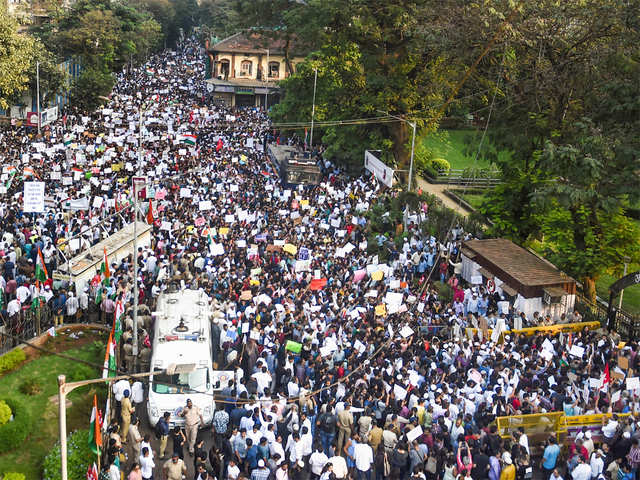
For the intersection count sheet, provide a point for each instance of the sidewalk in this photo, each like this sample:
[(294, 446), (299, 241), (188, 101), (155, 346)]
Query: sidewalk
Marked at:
[(438, 191)]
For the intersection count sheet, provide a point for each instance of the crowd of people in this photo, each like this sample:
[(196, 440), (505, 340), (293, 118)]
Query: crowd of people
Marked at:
[(351, 367)]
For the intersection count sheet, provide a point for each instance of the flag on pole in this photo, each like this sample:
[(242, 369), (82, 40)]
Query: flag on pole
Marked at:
[(95, 437), (150, 213), (41, 269), (8, 183), (104, 269), (117, 321), (92, 472), (109, 367), (605, 379), (189, 139)]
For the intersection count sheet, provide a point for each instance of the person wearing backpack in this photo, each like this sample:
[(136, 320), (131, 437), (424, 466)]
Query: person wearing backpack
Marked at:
[(162, 432), (327, 423)]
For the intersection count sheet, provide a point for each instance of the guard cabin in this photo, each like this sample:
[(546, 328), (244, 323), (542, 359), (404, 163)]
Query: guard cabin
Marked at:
[(294, 165), (182, 336)]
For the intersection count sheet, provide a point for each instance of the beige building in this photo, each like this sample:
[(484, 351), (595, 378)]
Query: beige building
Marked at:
[(246, 69)]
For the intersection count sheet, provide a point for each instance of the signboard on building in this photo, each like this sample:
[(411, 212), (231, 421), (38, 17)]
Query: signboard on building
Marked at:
[(378, 168), (244, 91)]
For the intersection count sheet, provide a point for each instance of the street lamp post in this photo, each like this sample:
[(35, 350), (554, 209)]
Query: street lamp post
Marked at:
[(626, 266), (65, 388), (266, 89), (38, 95), (313, 108), (413, 144)]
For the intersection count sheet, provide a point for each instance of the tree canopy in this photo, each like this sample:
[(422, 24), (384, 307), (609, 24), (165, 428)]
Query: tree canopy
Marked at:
[(566, 110), (17, 58)]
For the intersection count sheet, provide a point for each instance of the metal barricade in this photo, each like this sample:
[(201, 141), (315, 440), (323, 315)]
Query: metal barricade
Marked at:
[(538, 426)]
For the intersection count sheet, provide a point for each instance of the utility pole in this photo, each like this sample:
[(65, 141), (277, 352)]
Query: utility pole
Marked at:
[(413, 145), (38, 95), (313, 108)]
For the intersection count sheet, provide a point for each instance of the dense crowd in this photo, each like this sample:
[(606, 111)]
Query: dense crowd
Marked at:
[(350, 366)]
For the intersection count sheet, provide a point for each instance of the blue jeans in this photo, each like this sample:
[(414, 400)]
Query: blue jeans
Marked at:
[(363, 475), (326, 439)]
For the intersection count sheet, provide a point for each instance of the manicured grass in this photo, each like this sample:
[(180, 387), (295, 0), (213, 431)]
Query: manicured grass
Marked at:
[(28, 458), (631, 297), (458, 147), (473, 199)]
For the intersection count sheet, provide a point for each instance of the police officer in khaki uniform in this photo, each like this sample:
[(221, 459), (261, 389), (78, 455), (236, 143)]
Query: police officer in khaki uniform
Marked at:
[(174, 468), (193, 419)]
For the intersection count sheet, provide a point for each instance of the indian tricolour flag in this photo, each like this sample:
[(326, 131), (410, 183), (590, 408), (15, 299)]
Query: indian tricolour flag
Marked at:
[(104, 269), (109, 367), (189, 139), (68, 138), (41, 269), (117, 321), (149, 71), (95, 436)]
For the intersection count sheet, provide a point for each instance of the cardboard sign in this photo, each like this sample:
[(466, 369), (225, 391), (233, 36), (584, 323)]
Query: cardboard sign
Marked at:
[(623, 362)]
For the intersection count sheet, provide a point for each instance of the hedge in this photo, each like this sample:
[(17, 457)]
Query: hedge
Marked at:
[(13, 476), (79, 457), (11, 360), (14, 433), (5, 412)]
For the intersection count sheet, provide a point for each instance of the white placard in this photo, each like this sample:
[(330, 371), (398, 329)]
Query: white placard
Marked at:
[(576, 351), (406, 331), (414, 434), (399, 392), (615, 397), (33, 197), (633, 383)]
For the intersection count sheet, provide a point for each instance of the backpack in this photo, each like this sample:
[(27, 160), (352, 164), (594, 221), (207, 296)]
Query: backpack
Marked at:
[(158, 430)]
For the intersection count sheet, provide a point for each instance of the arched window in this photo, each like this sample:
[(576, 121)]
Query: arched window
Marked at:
[(274, 69), (245, 68)]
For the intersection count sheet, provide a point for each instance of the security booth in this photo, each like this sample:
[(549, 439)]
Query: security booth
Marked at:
[(530, 282)]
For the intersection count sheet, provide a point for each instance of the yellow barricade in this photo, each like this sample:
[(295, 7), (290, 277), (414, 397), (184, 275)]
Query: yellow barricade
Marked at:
[(552, 329), (540, 426), (537, 426)]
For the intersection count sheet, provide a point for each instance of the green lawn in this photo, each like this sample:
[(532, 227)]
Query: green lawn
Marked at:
[(473, 199), (28, 458), (458, 147), (631, 297)]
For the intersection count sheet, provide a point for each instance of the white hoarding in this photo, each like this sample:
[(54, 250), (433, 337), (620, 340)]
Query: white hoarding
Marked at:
[(379, 169)]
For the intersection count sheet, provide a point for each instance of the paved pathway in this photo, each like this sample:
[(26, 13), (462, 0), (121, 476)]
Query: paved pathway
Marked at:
[(438, 190)]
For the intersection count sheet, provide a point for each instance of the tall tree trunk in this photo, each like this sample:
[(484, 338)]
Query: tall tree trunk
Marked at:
[(400, 136), (589, 285)]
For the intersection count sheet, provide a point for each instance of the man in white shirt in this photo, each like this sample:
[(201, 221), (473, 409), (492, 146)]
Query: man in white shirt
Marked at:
[(232, 470), (263, 379), (339, 466), (582, 470), (597, 464), (317, 461), (146, 463), (363, 456)]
